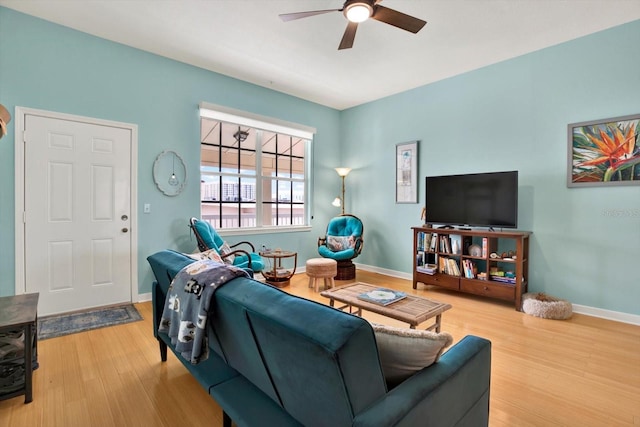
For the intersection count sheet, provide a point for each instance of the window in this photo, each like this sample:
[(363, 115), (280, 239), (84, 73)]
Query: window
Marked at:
[(254, 173)]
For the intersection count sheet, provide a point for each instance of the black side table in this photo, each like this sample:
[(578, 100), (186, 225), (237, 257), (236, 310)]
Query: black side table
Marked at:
[(18, 322)]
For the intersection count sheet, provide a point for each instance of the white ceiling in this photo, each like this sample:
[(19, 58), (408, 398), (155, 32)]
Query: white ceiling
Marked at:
[(246, 39)]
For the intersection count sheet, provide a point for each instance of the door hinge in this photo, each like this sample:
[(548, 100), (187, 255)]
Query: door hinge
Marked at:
[(24, 136), (24, 217)]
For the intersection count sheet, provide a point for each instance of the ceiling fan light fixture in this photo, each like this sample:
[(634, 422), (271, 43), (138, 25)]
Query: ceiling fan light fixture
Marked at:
[(358, 11)]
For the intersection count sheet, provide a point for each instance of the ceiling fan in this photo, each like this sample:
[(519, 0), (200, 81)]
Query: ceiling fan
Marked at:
[(357, 11)]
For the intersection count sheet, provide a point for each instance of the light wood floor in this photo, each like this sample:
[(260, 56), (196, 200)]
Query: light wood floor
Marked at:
[(580, 372)]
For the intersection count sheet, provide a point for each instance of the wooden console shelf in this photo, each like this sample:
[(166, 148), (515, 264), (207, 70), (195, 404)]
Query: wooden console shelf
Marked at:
[(494, 264)]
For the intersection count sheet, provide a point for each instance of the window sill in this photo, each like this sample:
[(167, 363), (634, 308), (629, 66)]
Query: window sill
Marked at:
[(262, 230)]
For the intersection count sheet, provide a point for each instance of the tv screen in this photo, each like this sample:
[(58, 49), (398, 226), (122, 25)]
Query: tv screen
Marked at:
[(477, 200)]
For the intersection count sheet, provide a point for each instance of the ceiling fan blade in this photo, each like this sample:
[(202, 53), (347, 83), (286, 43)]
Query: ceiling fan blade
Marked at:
[(297, 15), (397, 19), (349, 36)]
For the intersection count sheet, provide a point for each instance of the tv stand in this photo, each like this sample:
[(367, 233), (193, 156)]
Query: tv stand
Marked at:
[(490, 263)]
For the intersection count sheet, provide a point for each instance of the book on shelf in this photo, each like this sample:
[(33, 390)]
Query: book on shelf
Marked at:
[(427, 269), (503, 279), (469, 269), (453, 267), (427, 241), (485, 247), (445, 244), (420, 243), (281, 272), (448, 266), (424, 241), (382, 296), (433, 242)]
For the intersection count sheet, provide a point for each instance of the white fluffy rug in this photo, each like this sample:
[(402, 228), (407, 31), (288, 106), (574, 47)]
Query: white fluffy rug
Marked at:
[(542, 305)]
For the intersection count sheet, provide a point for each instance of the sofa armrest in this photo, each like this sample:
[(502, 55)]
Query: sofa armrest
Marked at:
[(454, 391)]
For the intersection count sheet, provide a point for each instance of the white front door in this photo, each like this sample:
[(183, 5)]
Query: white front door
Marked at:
[(77, 201)]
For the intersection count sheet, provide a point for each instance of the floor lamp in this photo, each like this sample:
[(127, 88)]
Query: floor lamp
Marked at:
[(339, 201)]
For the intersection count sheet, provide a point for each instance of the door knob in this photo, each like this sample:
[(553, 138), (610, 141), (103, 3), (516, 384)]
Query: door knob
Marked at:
[(124, 230)]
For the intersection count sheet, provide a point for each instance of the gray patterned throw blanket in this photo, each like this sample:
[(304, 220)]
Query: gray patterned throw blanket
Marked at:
[(186, 308)]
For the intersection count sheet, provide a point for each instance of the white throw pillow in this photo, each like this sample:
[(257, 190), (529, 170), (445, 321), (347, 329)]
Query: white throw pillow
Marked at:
[(224, 250), (340, 243), (403, 351)]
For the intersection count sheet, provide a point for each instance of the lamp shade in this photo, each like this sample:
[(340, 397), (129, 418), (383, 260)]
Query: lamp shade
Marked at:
[(343, 171)]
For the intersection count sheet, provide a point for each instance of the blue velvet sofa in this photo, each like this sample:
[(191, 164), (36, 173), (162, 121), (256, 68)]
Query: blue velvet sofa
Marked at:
[(280, 360)]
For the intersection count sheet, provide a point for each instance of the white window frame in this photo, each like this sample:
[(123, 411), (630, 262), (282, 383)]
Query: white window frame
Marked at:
[(242, 118)]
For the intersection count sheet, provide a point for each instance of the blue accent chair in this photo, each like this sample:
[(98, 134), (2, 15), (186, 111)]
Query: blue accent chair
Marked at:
[(208, 238), (343, 242)]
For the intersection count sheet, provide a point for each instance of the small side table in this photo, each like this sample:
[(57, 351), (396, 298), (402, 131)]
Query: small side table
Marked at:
[(277, 274), (20, 312)]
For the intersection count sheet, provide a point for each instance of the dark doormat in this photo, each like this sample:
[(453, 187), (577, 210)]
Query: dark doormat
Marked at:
[(70, 323)]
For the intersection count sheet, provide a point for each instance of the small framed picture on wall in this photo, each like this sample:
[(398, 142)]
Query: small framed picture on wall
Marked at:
[(407, 172)]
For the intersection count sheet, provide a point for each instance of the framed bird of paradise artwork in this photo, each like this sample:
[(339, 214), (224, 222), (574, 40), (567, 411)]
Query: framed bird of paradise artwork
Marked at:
[(604, 152)]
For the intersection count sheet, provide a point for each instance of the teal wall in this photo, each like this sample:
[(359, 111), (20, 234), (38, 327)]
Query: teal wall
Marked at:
[(50, 67), (512, 115)]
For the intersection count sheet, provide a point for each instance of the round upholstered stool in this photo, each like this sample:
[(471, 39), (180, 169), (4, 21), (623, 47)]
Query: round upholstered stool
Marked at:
[(321, 268)]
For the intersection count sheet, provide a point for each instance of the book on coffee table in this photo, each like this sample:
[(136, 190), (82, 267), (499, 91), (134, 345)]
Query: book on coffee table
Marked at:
[(382, 296)]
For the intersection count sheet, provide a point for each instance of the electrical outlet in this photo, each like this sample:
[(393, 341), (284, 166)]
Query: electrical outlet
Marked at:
[(147, 208)]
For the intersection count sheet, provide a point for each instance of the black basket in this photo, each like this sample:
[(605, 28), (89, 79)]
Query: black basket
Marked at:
[(11, 377)]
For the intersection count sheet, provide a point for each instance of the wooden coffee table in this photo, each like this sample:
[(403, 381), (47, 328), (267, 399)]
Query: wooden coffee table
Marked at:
[(413, 310)]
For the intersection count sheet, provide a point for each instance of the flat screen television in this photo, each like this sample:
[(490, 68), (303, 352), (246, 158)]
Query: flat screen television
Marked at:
[(476, 200)]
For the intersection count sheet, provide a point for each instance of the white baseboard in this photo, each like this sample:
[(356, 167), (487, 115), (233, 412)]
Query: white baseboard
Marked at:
[(144, 297), (385, 271), (617, 316)]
